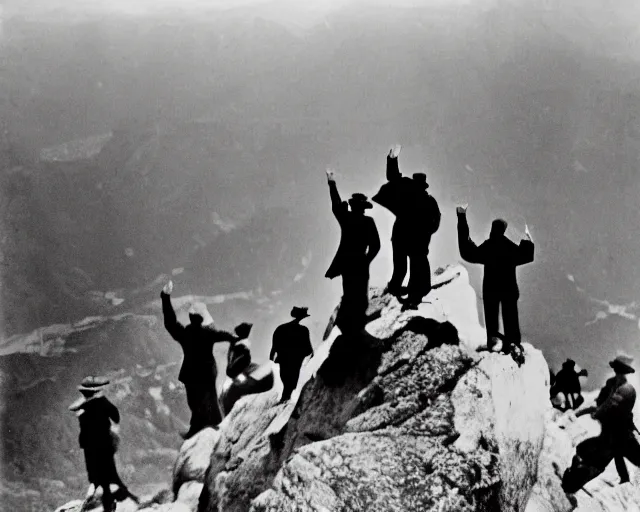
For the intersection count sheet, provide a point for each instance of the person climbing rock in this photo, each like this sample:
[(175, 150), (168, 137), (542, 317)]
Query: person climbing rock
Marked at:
[(500, 257), (199, 370), (99, 441), (617, 440), (244, 377), (359, 245), (567, 382), (291, 346), (417, 219)]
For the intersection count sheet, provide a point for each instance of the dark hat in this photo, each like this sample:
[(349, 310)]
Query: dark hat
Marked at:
[(94, 384), (421, 178), (569, 363), (243, 330), (299, 313), (361, 200), (622, 364)]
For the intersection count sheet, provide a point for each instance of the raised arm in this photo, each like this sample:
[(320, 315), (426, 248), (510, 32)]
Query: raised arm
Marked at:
[(524, 253), (393, 170), (338, 207), (469, 251), (218, 335), (175, 328)]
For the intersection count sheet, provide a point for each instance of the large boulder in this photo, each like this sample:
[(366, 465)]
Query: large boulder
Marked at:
[(408, 418)]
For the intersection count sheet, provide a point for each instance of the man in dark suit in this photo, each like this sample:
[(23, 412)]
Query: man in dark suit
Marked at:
[(500, 257), (291, 345), (359, 245)]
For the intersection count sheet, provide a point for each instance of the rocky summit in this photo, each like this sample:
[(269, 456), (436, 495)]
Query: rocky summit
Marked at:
[(409, 417)]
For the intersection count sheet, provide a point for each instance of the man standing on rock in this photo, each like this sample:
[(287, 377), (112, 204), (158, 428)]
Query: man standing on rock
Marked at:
[(500, 257), (199, 370), (291, 345), (359, 245), (99, 443), (417, 219), (614, 410), (567, 382)]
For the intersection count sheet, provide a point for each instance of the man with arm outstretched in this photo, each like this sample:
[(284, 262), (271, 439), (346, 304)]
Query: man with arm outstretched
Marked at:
[(500, 257), (359, 245)]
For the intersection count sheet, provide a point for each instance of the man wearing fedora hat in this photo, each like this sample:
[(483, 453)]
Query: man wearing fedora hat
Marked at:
[(359, 245), (199, 371), (99, 443), (500, 257), (614, 409), (417, 219), (290, 347)]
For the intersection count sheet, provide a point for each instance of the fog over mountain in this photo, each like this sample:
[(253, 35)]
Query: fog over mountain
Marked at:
[(141, 140)]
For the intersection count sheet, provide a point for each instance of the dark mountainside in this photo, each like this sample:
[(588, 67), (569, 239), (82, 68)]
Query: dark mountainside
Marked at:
[(222, 127)]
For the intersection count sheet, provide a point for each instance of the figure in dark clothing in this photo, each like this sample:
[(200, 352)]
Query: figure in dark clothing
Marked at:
[(567, 382), (417, 219), (99, 443), (614, 410), (359, 245), (243, 376), (500, 257), (291, 346), (199, 370)]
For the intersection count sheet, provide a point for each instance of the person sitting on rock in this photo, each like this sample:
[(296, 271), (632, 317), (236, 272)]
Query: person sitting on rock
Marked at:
[(614, 410), (99, 442), (244, 377), (291, 346), (567, 382), (359, 245), (417, 219), (199, 370), (500, 257)]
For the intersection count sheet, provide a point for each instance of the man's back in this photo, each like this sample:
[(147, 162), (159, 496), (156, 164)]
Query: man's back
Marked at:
[(291, 341)]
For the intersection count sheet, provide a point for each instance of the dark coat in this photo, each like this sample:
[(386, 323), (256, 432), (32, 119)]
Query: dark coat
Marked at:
[(359, 240), (239, 360), (96, 439), (199, 364), (615, 404), (291, 344), (417, 212), (500, 257)]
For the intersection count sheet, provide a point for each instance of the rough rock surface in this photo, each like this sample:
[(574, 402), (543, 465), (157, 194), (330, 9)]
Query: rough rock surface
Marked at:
[(408, 418), (603, 494)]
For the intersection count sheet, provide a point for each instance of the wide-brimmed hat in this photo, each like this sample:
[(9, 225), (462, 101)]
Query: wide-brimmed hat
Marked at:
[(569, 363), (94, 384), (421, 178), (622, 363), (200, 309), (299, 313), (359, 199)]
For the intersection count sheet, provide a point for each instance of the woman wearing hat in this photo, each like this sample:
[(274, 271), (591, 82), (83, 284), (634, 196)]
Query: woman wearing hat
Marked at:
[(291, 345), (95, 413), (614, 410), (359, 245)]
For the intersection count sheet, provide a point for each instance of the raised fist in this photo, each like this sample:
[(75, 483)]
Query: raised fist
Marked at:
[(461, 209), (330, 174), (168, 288), (527, 234)]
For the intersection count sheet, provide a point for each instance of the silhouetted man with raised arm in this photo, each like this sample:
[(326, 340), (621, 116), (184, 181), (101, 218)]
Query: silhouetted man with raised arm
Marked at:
[(500, 257), (291, 346), (359, 245), (417, 219), (199, 370)]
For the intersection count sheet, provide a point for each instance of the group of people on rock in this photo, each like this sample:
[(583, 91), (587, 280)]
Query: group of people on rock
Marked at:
[(417, 219)]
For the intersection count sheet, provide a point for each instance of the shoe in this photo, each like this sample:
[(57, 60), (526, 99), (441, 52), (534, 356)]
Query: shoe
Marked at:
[(189, 433)]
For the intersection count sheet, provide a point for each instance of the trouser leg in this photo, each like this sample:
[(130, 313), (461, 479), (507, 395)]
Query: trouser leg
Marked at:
[(355, 300), (419, 276), (399, 265), (511, 321), (491, 319)]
